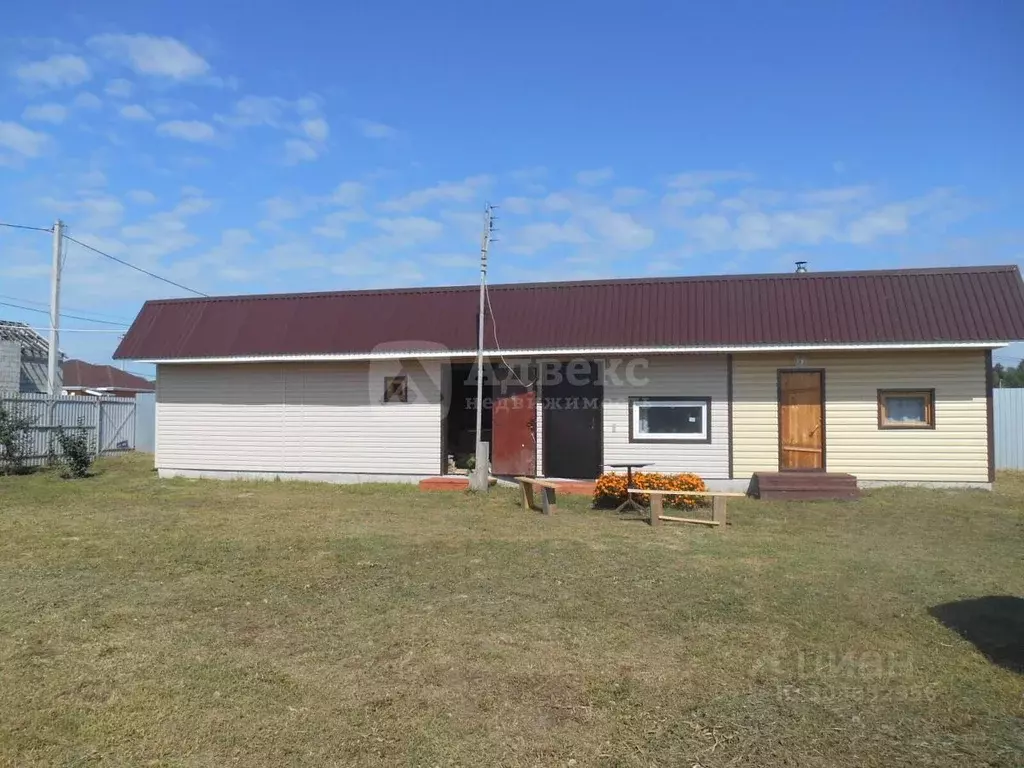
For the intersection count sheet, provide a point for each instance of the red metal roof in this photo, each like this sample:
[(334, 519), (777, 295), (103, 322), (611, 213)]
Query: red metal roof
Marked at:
[(78, 373), (970, 304)]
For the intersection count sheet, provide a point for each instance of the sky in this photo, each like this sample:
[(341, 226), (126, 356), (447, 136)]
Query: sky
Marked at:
[(328, 146)]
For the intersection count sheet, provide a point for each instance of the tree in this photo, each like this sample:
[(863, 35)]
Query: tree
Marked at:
[(1003, 376), (14, 429)]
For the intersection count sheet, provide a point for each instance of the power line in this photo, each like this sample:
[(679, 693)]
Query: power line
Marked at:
[(62, 314), (76, 309), (25, 226), (137, 269)]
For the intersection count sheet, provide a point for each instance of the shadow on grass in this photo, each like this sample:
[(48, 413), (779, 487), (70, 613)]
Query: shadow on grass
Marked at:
[(994, 624)]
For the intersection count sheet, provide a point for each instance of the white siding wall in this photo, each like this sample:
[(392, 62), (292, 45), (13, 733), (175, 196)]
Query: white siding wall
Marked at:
[(671, 376), (322, 418), (955, 451)]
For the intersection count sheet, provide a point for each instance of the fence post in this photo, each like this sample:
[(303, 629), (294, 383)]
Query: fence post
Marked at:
[(99, 425)]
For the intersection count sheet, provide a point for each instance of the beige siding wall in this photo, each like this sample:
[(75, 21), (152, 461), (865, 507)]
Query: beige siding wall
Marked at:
[(680, 376), (955, 451), (324, 418)]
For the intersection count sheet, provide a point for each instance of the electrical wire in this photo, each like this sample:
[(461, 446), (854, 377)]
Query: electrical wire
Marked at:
[(494, 331), (73, 309), (77, 330), (138, 269), (25, 226), (62, 314)]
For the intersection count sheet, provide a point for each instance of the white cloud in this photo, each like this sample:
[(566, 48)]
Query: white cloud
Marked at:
[(46, 113), (558, 201), (256, 110), (374, 130), (454, 260), (541, 235), (627, 196), (86, 100), (334, 226), (687, 198), (463, 191), (55, 72), (135, 112), (91, 212), (316, 129), (595, 177), (142, 197), (707, 178), (21, 140), (887, 220), (619, 230), (93, 178), (520, 206), (187, 130), (119, 88), (149, 55), (299, 151), (410, 230), (348, 193), (280, 209), (836, 195)]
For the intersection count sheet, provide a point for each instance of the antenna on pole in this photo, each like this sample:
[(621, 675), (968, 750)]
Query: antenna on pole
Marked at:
[(481, 469)]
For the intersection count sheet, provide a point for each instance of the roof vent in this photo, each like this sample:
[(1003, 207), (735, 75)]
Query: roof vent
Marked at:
[(801, 267)]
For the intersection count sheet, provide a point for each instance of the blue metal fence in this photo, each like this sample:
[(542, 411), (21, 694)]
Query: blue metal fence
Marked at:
[(1008, 409)]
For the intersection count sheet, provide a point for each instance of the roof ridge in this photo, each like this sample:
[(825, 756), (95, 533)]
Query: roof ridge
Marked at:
[(659, 280)]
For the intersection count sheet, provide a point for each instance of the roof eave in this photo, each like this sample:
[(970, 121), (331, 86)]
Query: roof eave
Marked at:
[(576, 352)]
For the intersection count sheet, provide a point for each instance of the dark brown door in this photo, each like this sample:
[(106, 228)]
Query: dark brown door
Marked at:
[(514, 433), (573, 435), (801, 420)]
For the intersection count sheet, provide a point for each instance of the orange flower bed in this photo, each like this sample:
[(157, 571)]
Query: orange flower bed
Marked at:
[(610, 490)]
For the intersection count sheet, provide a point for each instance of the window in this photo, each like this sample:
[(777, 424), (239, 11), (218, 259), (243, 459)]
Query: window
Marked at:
[(669, 419), (396, 389), (906, 409)]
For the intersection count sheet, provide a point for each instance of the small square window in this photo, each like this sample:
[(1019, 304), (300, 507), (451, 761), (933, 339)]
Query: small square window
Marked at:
[(906, 409), (396, 389), (668, 419)]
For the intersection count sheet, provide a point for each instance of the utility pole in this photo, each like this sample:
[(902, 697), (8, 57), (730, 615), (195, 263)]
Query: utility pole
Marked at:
[(53, 361), (481, 469)]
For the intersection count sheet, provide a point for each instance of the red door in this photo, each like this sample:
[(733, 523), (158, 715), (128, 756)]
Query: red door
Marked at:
[(514, 433)]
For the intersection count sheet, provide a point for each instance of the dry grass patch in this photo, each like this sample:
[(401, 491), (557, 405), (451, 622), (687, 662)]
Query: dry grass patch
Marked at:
[(212, 623)]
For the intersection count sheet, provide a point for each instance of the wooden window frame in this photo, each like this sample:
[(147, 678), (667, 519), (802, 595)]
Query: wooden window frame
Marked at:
[(929, 409), (703, 439), (396, 389)]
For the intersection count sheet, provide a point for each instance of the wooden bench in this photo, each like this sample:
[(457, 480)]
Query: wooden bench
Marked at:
[(547, 497), (718, 499)]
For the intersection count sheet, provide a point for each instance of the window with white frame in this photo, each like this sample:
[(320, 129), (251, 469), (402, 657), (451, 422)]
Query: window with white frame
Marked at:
[(669, 419)]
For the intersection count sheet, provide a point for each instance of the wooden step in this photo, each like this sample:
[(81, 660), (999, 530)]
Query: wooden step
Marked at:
[(805, 486)]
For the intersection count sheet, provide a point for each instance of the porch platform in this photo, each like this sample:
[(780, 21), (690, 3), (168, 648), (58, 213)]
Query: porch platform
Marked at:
[(804, 486)]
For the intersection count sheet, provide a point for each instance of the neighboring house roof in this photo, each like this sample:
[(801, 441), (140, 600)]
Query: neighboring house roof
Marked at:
[(79, 374), (32, 344), (920, 306)]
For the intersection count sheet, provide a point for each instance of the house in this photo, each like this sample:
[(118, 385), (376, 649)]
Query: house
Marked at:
[(23, 359), (82, 378), (881, 374)]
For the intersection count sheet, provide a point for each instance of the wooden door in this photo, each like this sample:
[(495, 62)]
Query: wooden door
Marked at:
[(801, 420), (514, 432)]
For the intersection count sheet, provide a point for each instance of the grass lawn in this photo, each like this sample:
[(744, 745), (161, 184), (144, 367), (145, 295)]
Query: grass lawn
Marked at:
[(147, 622)]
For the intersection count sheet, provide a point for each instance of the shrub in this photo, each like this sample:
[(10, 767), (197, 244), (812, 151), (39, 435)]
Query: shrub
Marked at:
[(610, 490), (13, 440), (74, 448)]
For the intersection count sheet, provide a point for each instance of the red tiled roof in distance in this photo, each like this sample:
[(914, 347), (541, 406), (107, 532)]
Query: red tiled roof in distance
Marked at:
[(949, 305), (78, 373)]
